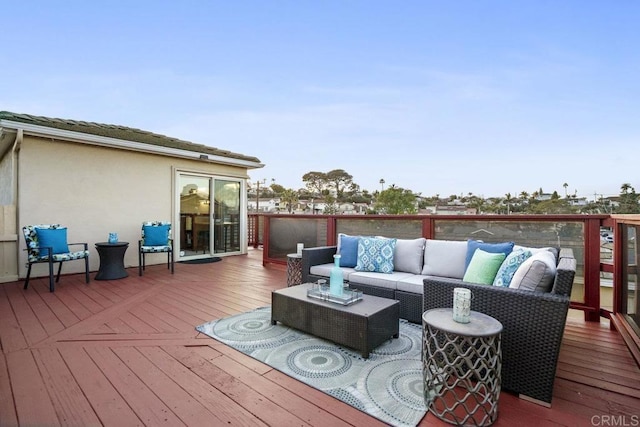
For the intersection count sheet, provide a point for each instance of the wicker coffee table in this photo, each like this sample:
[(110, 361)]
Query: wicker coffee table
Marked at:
[(362, 326)]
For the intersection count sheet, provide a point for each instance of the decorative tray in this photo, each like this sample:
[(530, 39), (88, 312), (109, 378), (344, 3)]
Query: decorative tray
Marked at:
[(348, 297)]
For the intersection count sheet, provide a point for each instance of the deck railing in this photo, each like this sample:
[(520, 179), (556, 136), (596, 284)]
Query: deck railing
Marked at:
[(606, 278)]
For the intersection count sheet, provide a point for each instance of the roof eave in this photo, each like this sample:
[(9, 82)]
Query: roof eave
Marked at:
[(103, 141)]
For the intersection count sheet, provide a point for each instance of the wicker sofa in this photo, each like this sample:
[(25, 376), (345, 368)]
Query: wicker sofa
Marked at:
[(417, 260), (533, 321)]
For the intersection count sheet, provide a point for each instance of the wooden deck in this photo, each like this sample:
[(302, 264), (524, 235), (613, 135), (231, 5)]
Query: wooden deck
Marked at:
[(126, 353)]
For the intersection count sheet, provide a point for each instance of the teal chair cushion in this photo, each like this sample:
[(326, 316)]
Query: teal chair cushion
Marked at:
[(56, 238)]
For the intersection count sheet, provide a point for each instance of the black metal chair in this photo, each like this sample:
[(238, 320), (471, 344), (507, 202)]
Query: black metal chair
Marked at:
[(48, 243), (156, 238)]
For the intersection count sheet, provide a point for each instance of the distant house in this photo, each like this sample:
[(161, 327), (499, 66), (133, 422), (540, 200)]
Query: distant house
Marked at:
[(271, 205), (448, 210), (98, 178)]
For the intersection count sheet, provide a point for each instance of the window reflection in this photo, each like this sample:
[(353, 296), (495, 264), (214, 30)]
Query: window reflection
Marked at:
[(227, 215)]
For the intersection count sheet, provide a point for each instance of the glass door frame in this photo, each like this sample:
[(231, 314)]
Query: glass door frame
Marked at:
[(242, 181)]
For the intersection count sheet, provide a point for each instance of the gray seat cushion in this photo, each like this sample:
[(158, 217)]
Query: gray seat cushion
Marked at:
[(324, 270), (382, 280), (413, 284)]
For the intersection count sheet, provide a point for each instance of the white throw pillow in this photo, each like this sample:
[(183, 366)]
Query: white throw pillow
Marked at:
[(537, 273), (409, 255)]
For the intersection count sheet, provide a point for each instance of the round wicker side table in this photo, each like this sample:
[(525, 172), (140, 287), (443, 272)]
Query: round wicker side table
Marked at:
[(461, 367)]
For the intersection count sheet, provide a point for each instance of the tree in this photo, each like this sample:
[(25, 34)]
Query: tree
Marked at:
[(628, 200), (565, 185), (315, 182), (330, 207), (277, 188), (396, 201), (340, 181), (289, 197), (508, 200), (477, 203)]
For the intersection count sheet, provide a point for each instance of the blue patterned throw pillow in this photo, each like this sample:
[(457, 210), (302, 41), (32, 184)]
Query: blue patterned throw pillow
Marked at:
[(375, 254), (509, 266)]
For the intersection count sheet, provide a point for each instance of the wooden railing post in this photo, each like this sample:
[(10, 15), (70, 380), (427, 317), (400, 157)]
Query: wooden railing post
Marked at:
[(592, 269)]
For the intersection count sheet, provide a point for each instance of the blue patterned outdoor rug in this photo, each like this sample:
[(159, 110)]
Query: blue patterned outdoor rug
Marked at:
[(388, 385)]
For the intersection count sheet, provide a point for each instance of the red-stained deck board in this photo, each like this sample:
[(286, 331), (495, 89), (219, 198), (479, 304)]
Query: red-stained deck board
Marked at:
[(47, 317), (29, 390), (299, 405), (173, 322), (11, 335), (182, 404), (29, 322), (199, 389), (69, 401), (196, 359), (66, 316), (8, 415), (137, 394), (109, 405), (137, 324)]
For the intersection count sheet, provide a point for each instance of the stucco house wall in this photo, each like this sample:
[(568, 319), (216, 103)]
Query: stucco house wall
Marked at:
[(94, 189)]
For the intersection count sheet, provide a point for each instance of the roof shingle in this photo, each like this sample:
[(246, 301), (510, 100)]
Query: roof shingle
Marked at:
[(123, 133)]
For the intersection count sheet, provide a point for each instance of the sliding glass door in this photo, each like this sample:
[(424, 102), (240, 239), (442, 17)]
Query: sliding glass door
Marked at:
[(226, 216), (194, 229), (210, 216)]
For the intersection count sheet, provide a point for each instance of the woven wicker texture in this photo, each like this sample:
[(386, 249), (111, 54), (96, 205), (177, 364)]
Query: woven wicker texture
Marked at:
[(362, 326), (462, 371), (533, 326)]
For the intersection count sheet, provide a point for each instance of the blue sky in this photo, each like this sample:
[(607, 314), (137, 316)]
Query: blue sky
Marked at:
[(440, 97)]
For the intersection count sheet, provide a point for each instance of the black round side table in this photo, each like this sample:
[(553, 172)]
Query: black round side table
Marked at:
[(111, 260)]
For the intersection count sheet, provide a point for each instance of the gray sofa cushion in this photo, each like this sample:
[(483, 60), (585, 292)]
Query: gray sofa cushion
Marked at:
[(324, 270), (383, 280), (409, 255), (536, 273), (413, 284), (445, 258)]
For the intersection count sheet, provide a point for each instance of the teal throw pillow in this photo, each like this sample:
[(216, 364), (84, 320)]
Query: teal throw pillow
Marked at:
[(348, 250), (509, 266), (375, 254), (55, 238), (156, 235), (483, 267), (472, 245)]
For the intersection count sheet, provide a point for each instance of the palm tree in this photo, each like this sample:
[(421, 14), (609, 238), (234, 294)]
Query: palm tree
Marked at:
[(565, 185), (290, 197), (624, 188), (508, 200)]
